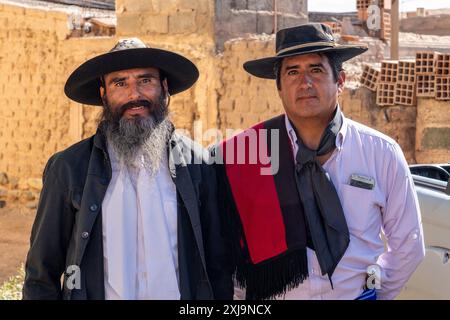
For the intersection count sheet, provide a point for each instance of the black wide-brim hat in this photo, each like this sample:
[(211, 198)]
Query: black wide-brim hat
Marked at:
[(83, 84), (302, 39)]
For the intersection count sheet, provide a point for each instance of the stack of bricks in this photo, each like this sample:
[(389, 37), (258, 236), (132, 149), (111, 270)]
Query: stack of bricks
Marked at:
[(336, 27), (385, 32), (385, 20), (387, 83), (382, 4), (370, 77), (405, 88), (425, 73), (442, 73), (362, 6)]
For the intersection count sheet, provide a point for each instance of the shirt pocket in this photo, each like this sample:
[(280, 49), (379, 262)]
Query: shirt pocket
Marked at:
[(358, 205)]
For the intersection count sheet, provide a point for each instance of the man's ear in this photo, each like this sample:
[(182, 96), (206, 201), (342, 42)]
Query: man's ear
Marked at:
[(165, 87), (341, 81), (102, 92)]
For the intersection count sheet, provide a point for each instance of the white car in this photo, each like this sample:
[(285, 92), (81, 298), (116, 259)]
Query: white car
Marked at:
[(431, 280)]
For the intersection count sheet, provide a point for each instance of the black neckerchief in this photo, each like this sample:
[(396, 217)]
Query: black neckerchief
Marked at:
[(322, 207)]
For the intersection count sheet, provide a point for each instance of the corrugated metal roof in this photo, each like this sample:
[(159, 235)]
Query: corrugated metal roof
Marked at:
[(98, 4)]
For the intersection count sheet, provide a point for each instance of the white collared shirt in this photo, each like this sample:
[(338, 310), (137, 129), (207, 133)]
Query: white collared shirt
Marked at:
[(391, 206), (140, 248)]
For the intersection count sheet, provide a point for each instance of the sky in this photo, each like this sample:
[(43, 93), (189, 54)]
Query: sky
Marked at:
[(350, 5)]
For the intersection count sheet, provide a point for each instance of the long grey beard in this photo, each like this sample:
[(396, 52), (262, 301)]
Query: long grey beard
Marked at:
[(140, 142)]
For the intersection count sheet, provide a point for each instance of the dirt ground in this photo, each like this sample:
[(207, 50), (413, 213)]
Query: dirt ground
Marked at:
[(15, 227)]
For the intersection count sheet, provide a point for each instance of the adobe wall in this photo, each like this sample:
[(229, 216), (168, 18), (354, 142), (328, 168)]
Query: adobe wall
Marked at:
[(433, 131), (246, 100), (38, 55)]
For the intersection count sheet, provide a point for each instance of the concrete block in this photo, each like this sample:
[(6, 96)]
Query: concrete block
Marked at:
[(137, 6), (425, 85), (385, 32), (191, 5), (363, 14), (260, 5), (442, 64), (128, 24), (265, 22), (436, 138), (165, 6), (389, 70), (155, 24), (406, 71), (287, 21), (238, 4), (182, 22), (362, 4), (385, 94), (293, 7), (442, 88), (370, 77), (425, 62), (243, 22), (405, 94)]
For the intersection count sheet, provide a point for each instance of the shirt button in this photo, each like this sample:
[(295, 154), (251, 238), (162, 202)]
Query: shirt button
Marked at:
[(85, 235), (93, 207)]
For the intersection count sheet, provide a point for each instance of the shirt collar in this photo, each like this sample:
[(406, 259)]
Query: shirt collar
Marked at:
[(339, 138)]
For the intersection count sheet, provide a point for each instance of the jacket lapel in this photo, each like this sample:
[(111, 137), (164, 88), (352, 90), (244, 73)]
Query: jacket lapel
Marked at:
[(182, 178), (97, 180)]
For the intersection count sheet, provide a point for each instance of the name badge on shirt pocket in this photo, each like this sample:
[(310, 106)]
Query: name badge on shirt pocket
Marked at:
[(360, 181)]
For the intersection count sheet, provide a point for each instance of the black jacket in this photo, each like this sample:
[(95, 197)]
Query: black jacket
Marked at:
[(67, 230)]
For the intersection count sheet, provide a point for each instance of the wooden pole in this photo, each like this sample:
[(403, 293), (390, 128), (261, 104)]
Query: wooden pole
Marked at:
[(275, 18)]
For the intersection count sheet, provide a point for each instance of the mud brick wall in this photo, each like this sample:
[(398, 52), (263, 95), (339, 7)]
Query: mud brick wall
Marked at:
[(38, 54), (36, 57), (396, 121), (237, 18), (433, 131), (244, 99), (32, 108)]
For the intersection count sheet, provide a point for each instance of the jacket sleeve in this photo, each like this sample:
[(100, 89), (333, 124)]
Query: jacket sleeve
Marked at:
[(217, 252), (50, 236)]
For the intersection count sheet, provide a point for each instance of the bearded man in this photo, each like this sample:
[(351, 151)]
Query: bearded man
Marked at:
[(131, 212)]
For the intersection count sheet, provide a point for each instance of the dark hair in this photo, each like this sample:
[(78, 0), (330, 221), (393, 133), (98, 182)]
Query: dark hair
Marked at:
[(335, 64)]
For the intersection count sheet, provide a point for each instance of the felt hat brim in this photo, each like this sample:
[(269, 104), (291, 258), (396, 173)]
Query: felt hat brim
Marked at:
[(84, 83), (264, 68)]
